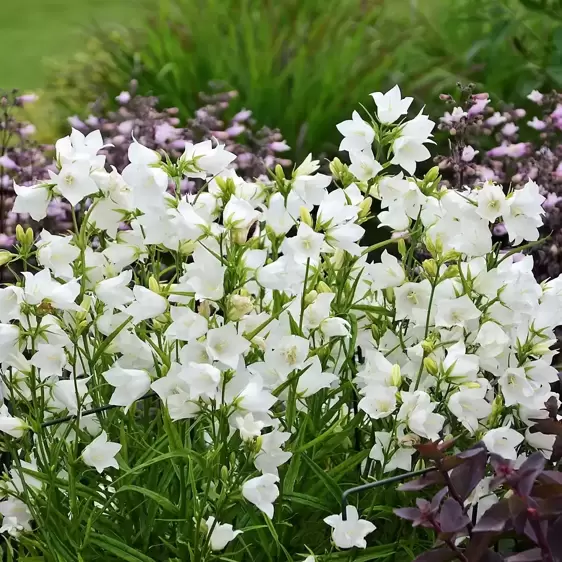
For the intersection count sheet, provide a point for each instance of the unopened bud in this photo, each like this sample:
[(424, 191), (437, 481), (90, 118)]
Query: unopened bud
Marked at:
[(432, 175), (402, 247), (430, 268), (541, 348), (6, 257), (336, 167), (365, 207), (310, 297), (239, 306), (225, 477), (323, 287), (306, 217), (153, 285), (279, 172), (472, 385), (20, 234), (186, 249), (389, 295), (430, 366), (497, 406), (427, 346), (205, 309), (396, 376), (339, 257)]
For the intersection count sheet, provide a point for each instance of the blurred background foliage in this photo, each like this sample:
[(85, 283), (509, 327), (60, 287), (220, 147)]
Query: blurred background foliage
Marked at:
[(300, 65)]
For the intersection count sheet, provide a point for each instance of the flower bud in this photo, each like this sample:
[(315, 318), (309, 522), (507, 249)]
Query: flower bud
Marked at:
[(323, 287), (306, 217), (430, 268), (365, 207), (225, 477), (153, 285), (430, 366), (29, 237), (427, 346), (279, 172), (205, 309), (497, 407), (310, 297), (20, 234), (339, 257), (432, 175), (239, 306), (186, 249), (336, 167), (541, 348), (6, 257), (402, 247), (396, 376), (389, 295), (472, 384)]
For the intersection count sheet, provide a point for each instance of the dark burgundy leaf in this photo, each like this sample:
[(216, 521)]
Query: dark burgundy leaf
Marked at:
[(467, 476), (551, 406), (410, 513), (547, 426), (474, 450), (518, 512), (554, 538), (551, 477), (438, 498), (550, 505), (494, 519), (557, 450), (430, 450), (478, 546), (452, 518), (490, 556), (448, 463), (429, 479), (533, 555), (438, 555), (525, 477)]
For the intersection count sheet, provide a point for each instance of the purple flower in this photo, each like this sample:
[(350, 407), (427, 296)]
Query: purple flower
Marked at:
[(468, 154), (537, 124), (123, 98), (27, 130), (76, 122), (27, 98), (478, 107), (235, 130), (164, 132), (509, 129), (280, 146), (8, 163), (498, 151), (243, 115), (551, 201)]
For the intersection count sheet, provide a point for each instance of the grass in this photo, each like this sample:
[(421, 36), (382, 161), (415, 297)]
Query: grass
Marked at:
[(34, 30)]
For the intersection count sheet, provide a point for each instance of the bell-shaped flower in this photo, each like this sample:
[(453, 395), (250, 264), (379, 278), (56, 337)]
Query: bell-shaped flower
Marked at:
[(351, 532), (456, 312), (363, 165), (100, 453), (78, 147), (220, 534), (202, 379), (238, 214), (492, 340), (503, 441), (262, 492), (358, 134), (9, 336), (388, 273), (409, 147), (10, 298), (391, 106), (74, 181), (11, 425), (311, 189), (313, 379), (16, 516), (412, 300), (115, 291), (147, 304), (57, 253), (468, 405), (187, 325), (516, 388), (378, 401), (306, 245), (525, 212), (50, 360), (224, 344), (254, 397), (271, 455), (491, 200), (32, 200), (279, 216), (288, 354), (248, 427), (130, 385)]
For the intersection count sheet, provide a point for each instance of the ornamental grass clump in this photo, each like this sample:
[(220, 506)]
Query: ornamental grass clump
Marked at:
[(205, 382)]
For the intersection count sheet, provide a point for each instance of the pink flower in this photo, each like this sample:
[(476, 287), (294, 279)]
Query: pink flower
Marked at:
[(535, 96), (279, 146), (537, 124), (551, 201), (479, 106), (28, 98), (468, 154), (123, 98), (8, 163), (235, 130), (243, 115), (509, 129)]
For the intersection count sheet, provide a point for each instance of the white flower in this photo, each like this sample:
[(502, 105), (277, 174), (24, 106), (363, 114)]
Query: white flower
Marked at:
[(239, 214), (100, 453), (313, 379), (358, 134), (387, 273), (469, 406), (202, 379), (379, 401), (491, 202), (363, 165), (524, 216), (115, 291), (187, 325), (306, 245), (74, 181), (147, 304), (130, 385), (16, 516), (516, 387), (9, 335), (351, 532), (225, 345), (391, 106), (409, 147), (271, 455), (456, 312), (220, 534), (502, 441), (32, 200), (11, 425), (288, 354), (262, 492), (412, 299), (492, 340), (249, 427), (49, 359)]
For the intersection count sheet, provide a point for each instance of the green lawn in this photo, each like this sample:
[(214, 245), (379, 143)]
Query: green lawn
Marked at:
[(32, 30)]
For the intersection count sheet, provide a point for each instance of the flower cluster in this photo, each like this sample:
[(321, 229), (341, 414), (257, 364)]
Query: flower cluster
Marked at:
[(242, 336), (510, 147)]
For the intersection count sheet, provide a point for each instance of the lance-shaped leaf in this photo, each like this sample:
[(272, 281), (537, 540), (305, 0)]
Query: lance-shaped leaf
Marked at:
[(452, 517)]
